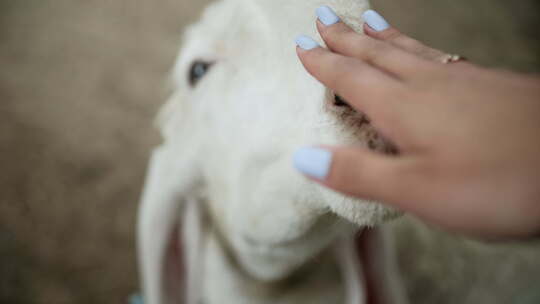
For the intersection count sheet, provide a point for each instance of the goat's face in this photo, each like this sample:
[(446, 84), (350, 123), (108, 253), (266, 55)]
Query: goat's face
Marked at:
[(244, 103)]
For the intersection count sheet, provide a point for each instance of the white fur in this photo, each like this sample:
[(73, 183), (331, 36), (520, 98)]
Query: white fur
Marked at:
[(228, 146)]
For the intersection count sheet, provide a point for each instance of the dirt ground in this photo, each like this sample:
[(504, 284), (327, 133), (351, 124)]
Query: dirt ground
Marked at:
[(80, 83)]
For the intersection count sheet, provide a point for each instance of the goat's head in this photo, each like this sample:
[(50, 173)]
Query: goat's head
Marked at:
[(242, 105)]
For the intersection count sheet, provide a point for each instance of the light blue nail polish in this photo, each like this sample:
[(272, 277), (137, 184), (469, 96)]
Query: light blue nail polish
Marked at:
[(326, 15), (375, 21), (314, 162), (306, 42)]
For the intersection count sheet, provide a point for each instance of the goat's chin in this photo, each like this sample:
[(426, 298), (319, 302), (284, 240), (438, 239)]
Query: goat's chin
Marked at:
[(271, 266), (269, 262), (266, 268), (360, 212)]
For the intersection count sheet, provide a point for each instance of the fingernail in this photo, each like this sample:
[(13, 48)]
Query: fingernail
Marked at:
[(375, 21), (306, 42), (314, 162), (326, 15)]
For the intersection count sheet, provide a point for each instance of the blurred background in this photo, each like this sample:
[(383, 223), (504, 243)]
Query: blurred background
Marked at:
[(80, 84)]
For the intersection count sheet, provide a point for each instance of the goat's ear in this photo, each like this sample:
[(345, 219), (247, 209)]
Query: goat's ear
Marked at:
[(170, 182)]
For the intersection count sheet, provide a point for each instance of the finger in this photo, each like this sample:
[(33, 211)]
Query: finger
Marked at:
[(358, 172), (365, 88), (342, 39), (400, 40), (377, 27)]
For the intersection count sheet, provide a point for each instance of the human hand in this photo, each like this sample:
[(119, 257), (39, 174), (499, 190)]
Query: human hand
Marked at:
[(468, 137)]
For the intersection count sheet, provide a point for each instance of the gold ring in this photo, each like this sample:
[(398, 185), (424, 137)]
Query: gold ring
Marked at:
[(451, 58)]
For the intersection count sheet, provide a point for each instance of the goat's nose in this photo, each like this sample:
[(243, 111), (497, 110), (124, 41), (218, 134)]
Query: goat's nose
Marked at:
[(340, 102)]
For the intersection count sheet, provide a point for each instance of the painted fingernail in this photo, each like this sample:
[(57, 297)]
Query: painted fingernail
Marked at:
[(375, 21), (306, 43), (314, 162), (326, 15)]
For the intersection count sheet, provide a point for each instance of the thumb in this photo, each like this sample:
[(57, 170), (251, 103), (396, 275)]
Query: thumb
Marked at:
[(356, 172)]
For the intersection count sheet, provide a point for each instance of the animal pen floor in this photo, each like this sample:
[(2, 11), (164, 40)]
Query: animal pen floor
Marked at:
[(80, 82)]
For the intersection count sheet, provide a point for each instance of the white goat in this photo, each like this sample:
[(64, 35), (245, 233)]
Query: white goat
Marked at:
[(252, 230)]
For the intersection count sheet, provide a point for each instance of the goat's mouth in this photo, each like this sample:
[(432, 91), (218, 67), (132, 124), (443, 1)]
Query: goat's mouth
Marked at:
[(366, 262)]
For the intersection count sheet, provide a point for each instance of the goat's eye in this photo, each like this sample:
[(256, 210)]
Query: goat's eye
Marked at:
[(197, 71)]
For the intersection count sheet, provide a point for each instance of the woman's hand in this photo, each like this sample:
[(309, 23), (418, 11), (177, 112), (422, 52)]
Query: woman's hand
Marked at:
[(468, 137)]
